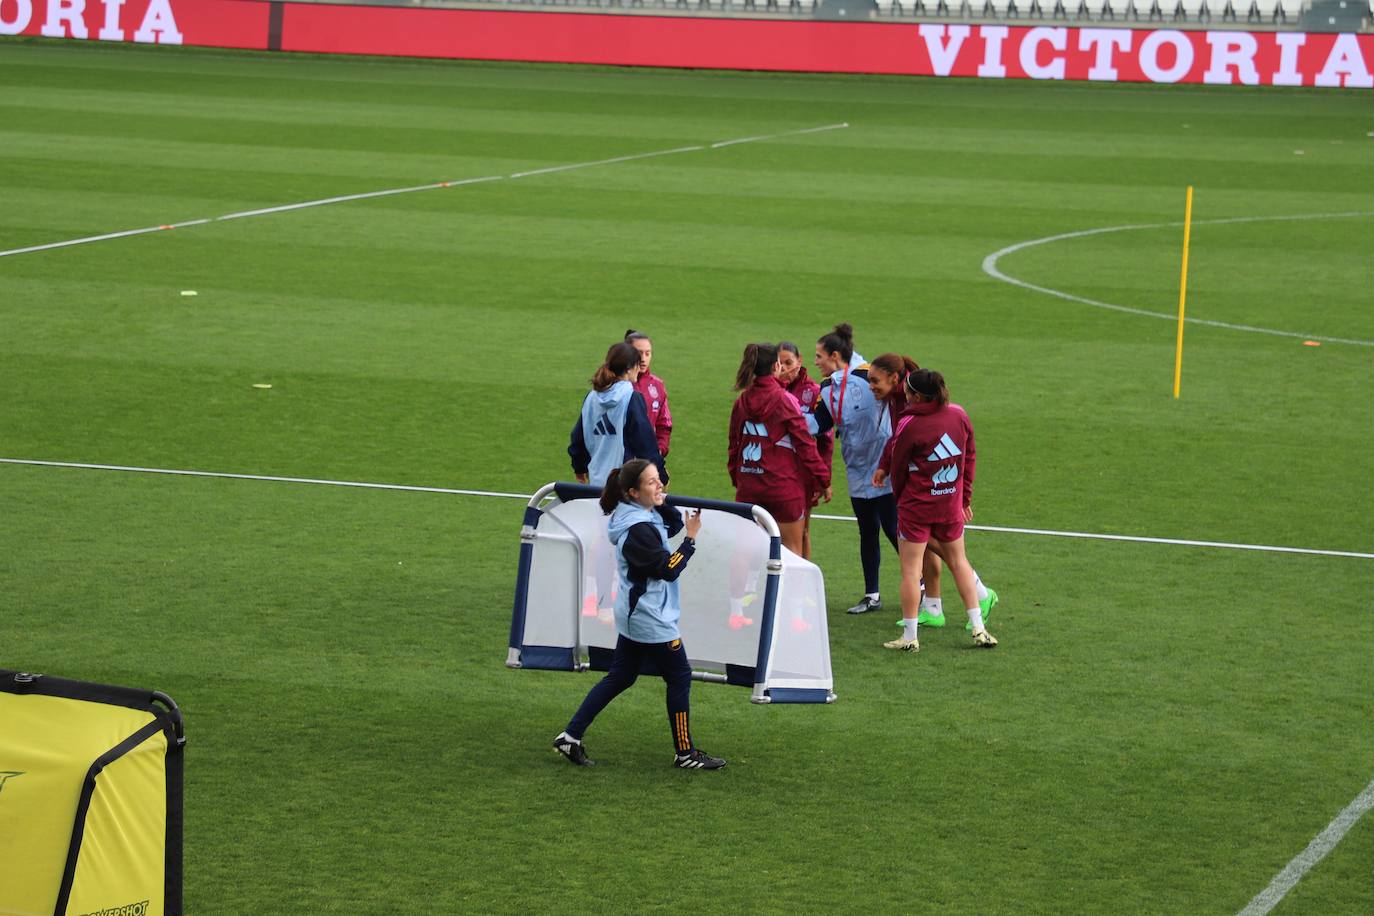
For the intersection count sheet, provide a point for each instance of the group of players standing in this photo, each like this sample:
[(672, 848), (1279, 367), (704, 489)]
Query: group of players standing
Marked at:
[(908, 456), (909, 460)]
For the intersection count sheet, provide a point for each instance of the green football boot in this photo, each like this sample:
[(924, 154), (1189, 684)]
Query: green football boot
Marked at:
[(987, 604), (927, 619)]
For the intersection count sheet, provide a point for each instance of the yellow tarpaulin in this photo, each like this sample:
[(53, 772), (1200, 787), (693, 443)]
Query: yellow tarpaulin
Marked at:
[(90, 799)]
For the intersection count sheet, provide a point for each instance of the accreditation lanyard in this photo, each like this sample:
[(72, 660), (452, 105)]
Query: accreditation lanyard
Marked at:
[(844, 384)]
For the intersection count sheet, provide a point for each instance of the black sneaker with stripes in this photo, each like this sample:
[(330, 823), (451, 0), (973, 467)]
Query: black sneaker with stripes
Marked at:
[(571, 748), (696, 759)]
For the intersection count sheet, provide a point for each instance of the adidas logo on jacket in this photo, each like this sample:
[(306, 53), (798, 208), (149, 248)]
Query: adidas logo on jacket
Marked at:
[(930, 460)]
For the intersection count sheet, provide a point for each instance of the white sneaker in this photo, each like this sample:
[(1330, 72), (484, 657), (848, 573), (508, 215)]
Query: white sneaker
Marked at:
[(905, 645), (983, 639)]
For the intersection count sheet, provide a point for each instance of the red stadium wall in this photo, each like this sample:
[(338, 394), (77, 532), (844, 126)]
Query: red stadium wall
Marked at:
[(1226, 57)]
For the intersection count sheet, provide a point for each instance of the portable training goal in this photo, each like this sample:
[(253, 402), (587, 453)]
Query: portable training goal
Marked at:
[(90, 798), (753, 613)]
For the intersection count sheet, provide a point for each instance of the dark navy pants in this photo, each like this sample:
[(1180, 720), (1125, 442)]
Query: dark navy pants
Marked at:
[(878, 513), (629, 657)]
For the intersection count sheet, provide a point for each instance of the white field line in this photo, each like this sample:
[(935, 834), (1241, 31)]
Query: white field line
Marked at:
[(90, 238), (330, 483), (1145, 540), (263, 211), (438, 185), (526, 496), (585, 165), (990, 268), (1316, 850), (807, 130)]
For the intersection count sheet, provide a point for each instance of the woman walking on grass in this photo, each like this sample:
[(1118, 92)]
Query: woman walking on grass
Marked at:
[(887, 376), (647, 610), (930, 460)]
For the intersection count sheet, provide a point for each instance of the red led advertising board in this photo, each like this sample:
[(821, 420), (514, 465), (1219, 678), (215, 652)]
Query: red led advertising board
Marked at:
[(1219, 57)]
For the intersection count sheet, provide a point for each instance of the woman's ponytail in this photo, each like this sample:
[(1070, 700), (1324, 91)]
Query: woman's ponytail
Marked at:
[(620, 358), (620, 482), (744, 375), (758, 361), (604, 378)]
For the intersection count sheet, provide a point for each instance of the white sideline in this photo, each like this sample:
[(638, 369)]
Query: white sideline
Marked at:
[(1316, 850), (990, 268), (459, 182), (221, 474), (1149, 540), (839, 518)]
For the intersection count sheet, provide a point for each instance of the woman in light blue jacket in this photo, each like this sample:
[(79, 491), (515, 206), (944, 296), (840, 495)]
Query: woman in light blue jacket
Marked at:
[(646, 609), (862, 427), (614, 424)]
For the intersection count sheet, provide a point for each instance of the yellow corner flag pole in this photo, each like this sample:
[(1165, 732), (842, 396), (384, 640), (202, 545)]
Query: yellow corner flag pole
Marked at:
[(1183, 289)]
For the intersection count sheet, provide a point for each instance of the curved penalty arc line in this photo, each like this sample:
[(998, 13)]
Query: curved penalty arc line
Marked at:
[(990, 268)]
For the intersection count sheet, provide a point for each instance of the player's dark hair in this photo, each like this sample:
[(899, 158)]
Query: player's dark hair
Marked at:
[(840, 340), (929, 384), (621, 482), (895, 365), (790, 347), (620, 358), (632, 335), (759, 360)]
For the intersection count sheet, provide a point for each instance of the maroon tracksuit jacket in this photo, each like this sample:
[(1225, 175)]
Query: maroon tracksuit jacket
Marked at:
[(771, 451), (807, 391), (895, 403), (929, 461), (656, 400)]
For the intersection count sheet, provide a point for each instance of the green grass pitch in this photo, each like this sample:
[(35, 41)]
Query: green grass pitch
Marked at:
[(1163, 727)]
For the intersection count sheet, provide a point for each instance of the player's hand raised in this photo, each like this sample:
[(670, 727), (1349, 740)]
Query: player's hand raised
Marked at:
[(693, 523)]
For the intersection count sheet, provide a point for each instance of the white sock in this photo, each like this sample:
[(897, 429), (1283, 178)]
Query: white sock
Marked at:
[(908, 628), (978, 584), (736, 607), (932, 606), (873, 595), (975, 616)]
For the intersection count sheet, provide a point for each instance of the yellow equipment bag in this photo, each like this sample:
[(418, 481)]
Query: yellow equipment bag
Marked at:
[(90, 799)]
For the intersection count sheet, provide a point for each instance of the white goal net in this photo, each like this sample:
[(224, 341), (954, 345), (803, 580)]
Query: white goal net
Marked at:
[(753, 613)]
